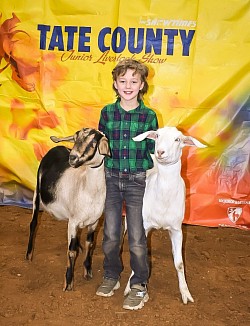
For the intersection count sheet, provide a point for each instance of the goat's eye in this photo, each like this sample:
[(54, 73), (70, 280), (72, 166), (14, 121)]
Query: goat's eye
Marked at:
[(178, 140)]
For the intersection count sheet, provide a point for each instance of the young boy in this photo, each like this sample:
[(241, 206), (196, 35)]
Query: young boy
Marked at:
[(125, 175)]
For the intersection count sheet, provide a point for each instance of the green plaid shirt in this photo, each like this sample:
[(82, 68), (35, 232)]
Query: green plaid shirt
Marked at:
[(120, 127)]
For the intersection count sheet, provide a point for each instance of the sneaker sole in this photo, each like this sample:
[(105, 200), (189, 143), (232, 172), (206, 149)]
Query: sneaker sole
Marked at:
[(139, 306), (101, 294)]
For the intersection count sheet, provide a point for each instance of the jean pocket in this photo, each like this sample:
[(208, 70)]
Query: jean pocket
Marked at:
[(140, 179)]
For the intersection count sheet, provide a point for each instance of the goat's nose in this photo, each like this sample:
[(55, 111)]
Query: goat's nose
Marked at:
[(160, 153)]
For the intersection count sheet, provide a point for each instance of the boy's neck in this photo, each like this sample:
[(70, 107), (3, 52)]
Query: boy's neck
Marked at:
[(128, 106)]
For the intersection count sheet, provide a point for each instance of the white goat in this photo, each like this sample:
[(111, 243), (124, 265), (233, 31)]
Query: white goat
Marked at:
[(164, 198), (71, 186)]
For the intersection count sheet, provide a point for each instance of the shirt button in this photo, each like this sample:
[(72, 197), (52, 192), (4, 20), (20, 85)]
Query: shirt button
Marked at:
[(125, 135), (124, 157), (125, 170)]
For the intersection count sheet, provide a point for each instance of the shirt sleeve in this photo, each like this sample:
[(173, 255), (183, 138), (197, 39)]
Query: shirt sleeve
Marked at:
[(102, 123), (151, 142)]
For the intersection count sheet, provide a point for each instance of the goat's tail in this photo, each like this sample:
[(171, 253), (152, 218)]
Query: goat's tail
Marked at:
[(33, 223)]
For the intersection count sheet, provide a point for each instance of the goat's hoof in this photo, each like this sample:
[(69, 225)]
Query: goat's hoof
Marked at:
[(28, 256), (186, 298), (68, 287), (126, 292), (88, 275)]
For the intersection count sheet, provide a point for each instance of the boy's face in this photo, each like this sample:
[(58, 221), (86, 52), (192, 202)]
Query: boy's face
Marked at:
[(128, 85)]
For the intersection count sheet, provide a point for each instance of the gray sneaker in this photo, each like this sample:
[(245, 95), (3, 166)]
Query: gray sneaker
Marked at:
[(136, 298), (107, 288)]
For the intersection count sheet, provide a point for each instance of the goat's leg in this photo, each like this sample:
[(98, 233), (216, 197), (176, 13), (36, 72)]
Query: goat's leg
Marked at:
[(89, 247), (127, 288), (176, 239), (74, 244), (33, 226), (71, 257)]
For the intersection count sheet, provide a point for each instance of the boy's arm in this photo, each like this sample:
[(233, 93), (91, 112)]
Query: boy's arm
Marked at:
[(102, 124), (150, 142), (155, 124)]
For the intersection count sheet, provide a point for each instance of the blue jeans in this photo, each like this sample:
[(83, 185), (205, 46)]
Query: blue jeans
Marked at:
[(129, 188)]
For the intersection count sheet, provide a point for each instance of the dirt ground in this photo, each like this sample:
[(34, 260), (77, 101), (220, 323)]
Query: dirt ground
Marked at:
[(217, 262)]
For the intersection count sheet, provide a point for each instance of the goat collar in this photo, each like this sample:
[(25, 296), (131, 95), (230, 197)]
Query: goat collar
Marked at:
[(97, 166)]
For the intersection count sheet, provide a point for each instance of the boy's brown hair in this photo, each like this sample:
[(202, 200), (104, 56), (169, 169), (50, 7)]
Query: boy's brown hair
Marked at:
[(121, 69)]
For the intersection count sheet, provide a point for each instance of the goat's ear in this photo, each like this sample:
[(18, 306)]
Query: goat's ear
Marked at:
[(57, 140), (191, 141), (151, 134), (103, 147)]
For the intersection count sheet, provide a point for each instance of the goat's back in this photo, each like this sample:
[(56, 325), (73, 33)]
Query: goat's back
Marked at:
[(51, 167)]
